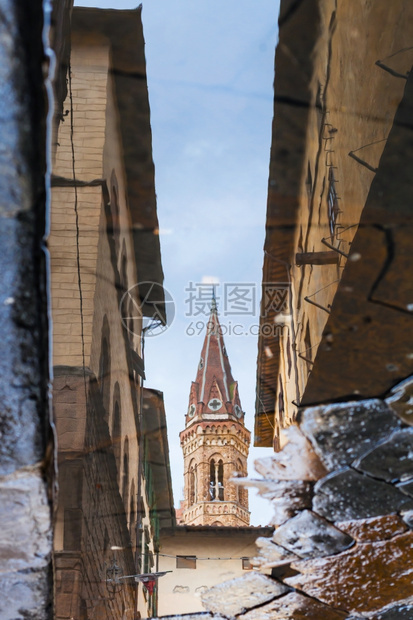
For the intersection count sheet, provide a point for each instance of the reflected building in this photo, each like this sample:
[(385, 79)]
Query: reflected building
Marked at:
[(106, 281), (336, 317), (212, 541)]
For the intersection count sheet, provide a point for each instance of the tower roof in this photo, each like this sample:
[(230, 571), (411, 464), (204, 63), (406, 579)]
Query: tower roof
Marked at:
[(214, 393)]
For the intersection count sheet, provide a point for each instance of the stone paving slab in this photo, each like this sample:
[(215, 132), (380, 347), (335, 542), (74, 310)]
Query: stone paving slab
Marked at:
[(237, 595), (347, 494), (342, 433), (375, 529), (406, 487), (352, 554), (391, 460), (203, 615), (271, 554), (401, 400), (309, 536), (294, 606), (25, 544), (402, 610), (363, 579)]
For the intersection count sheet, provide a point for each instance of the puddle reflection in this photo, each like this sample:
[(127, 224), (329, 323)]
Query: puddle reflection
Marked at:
[(335, 308)]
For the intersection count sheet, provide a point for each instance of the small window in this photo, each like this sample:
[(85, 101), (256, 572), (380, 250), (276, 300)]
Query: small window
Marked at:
[(308, 347), (281, 409), (246, 564), (186, 561), (309, 186), (289, 360), (332, 203)]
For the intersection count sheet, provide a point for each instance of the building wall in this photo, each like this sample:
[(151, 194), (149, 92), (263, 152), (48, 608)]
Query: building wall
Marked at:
[(219, 553), (81, 138), (92, 267), (91, 530), (353, 106)]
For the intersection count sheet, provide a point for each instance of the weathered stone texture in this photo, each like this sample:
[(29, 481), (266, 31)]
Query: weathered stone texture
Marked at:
[(287, 496), (406, 487), (25, 537), (357, 555), (362, 579), (346, 495), (310, 536), (23, 343), (401, 611), (297, 460), (271, 554), (197, 616), (341, 433), (237, 595), (374, 529), (401, 400), (294, 606), (392, 460)]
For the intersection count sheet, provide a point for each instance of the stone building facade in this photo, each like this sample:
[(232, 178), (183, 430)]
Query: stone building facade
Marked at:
[(332, 195), (215, 441), (104, 247)]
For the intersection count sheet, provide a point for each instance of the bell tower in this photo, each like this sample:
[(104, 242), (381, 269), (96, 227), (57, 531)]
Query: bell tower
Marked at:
[(215, 441)]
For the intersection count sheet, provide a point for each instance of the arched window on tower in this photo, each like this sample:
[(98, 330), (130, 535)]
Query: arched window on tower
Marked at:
[(216, 480), (242, 494), (239, 475), (192, 492)]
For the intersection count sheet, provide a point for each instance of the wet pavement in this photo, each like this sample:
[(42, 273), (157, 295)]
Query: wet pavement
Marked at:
[(343, 545), (341, 489)]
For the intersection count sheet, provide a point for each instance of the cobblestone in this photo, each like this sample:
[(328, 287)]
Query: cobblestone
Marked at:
[(392, 460), (346, 494), (342, 433), (236, 596), (309, 536), (355, 549)]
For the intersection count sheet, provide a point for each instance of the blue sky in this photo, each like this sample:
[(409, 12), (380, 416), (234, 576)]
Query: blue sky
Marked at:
[(210, 68)]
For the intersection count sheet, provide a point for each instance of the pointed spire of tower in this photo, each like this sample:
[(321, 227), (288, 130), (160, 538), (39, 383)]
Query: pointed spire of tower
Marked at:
[(214, 393), (214, 307)]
